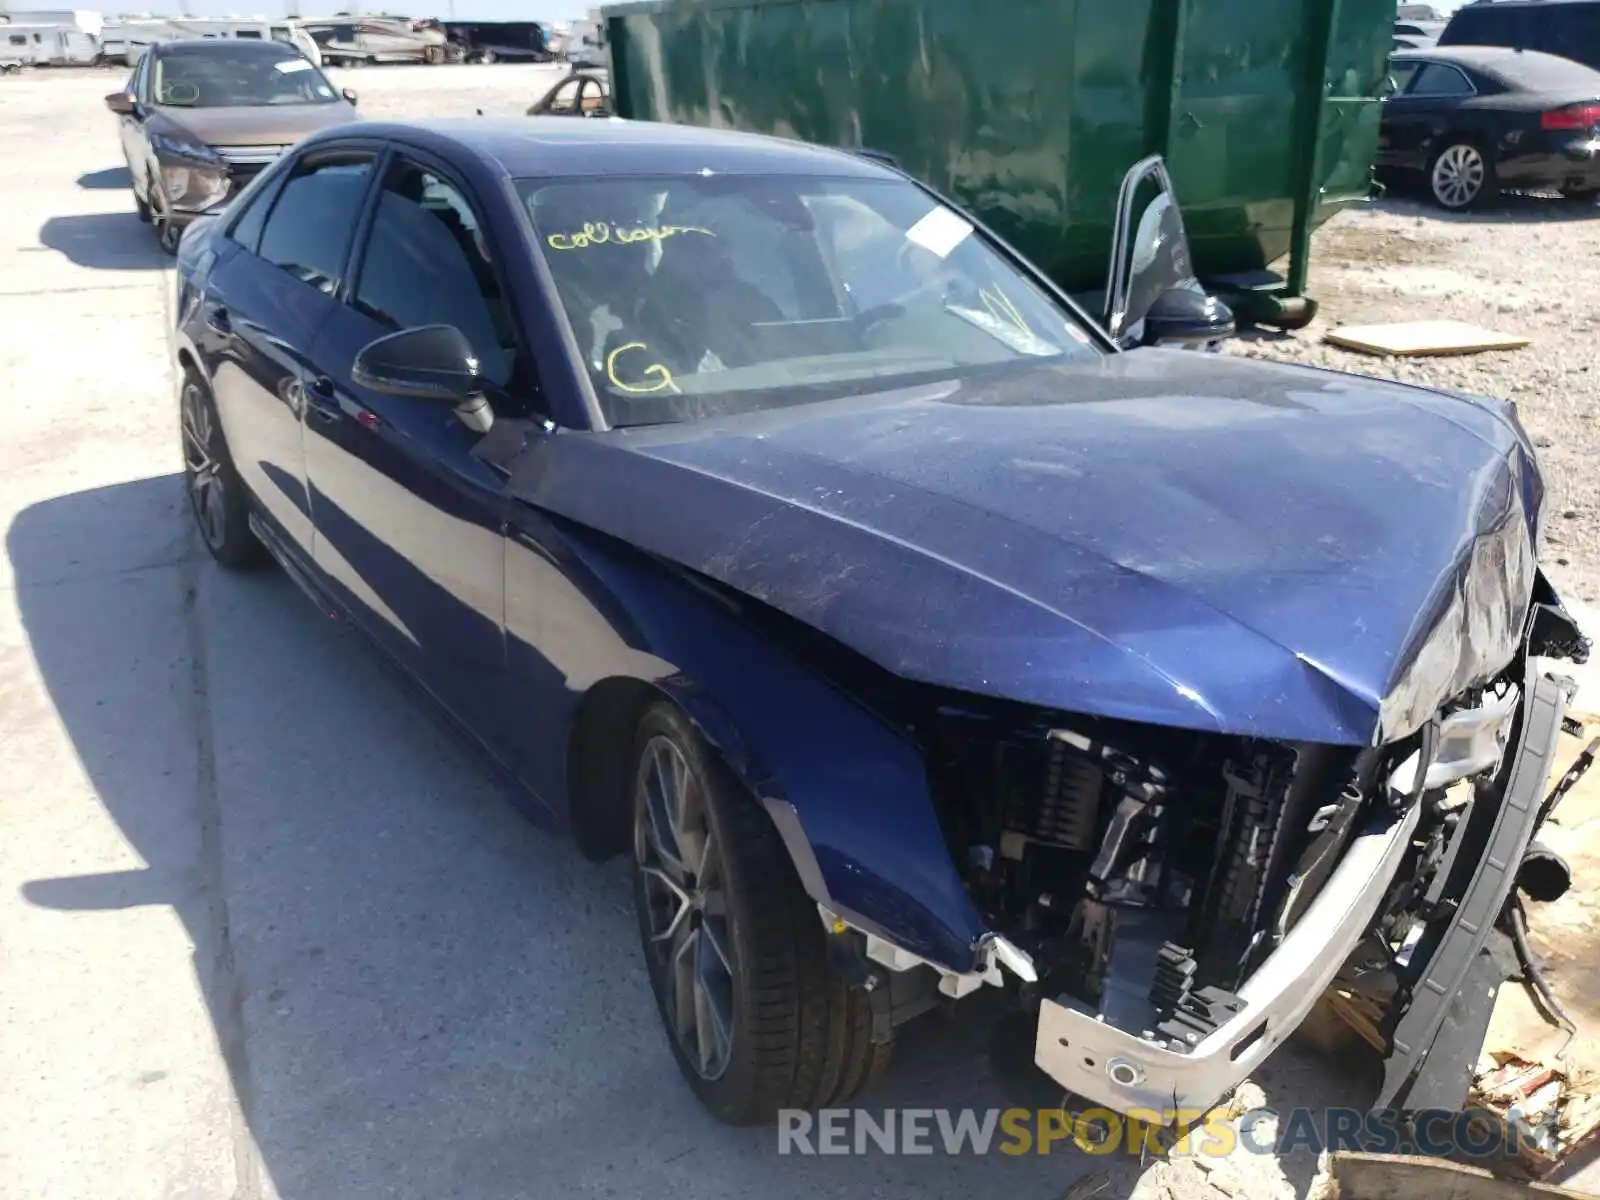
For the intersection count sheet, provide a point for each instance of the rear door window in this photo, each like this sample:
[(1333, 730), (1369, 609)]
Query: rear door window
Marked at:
[(1403, 71), (1440, 79), (308, 231)]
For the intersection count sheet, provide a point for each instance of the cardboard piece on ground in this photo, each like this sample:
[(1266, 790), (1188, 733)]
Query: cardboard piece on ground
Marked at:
[(1422, 337)]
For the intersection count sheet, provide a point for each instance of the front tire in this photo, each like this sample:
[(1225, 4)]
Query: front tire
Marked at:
[(216, 493), (757, 1019), (1461, 176)]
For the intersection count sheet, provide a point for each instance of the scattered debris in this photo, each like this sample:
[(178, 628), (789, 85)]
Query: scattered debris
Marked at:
[(1537, 1079), (1401, 1177), (1414, 338)]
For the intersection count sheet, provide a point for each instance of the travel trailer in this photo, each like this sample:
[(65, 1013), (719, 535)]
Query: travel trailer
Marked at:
[(126, 41), (84, 19), (355, 41), (45, 46)]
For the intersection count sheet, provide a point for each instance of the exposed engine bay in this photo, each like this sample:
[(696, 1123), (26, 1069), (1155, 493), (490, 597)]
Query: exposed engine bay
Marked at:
[(1147, 880), (1152, 876)]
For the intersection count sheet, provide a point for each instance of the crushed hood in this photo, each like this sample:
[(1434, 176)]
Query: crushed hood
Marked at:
[(1162, 536), (263, 125)]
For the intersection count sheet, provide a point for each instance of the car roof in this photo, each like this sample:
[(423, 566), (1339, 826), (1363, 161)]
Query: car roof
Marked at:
[(1530, 70), (544, 147), (209, 45)]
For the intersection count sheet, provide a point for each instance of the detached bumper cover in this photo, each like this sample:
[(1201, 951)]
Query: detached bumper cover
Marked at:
[(1123, 1072)]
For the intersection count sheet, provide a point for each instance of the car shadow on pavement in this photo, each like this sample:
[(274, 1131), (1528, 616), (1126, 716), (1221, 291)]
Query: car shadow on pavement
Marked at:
[(415, 990), (104, 241), (1510, 208), (109, 179)]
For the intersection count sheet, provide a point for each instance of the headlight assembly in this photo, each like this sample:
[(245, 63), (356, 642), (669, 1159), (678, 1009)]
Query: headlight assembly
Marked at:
[(195, 187)]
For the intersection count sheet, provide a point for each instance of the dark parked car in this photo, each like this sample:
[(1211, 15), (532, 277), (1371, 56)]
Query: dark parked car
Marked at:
[(1470, 120), (200, 118), (779, 528), (1570, 28)]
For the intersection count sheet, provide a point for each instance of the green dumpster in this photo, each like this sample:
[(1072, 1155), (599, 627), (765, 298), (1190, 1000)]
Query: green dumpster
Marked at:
[(1029, 112)]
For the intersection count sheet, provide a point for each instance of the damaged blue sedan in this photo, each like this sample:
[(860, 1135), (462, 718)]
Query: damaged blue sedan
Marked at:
[(909, 630)]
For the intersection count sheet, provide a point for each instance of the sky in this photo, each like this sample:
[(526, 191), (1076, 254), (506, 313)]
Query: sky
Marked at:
[(463, 10)]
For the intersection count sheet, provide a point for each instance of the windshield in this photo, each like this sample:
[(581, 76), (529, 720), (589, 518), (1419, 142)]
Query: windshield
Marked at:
[(697, 296), (225, 77)]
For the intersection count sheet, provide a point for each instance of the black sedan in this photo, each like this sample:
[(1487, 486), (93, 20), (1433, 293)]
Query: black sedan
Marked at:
[(782, 530), (1471, 120)]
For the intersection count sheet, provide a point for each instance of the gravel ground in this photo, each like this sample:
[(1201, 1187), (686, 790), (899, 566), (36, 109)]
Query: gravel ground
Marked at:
[(1527, 265)]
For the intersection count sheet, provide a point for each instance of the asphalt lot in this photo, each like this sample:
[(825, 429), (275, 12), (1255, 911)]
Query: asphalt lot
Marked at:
[(267, 928)]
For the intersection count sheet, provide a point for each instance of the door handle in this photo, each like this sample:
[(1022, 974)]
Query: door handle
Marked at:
[(217, 319), (320, 388)]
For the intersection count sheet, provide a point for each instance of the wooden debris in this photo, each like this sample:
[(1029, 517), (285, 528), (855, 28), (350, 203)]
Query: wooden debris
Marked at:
[(1400, 1177), (1410, 338), (1546, 1110)]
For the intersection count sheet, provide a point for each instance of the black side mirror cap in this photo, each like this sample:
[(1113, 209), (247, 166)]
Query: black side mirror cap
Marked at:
[(1184, 317), (349, 95), (431, 362), (122, 104)]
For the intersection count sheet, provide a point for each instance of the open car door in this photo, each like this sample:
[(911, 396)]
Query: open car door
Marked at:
[(1153, 297)]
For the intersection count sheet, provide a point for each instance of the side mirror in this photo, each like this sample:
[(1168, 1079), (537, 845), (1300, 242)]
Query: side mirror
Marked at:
[(1183, 317), (431, 362), (122, 104), (349, 95)]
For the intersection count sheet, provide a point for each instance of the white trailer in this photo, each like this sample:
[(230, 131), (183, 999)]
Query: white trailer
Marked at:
[(46, 46), (86, 19), (126, 41)]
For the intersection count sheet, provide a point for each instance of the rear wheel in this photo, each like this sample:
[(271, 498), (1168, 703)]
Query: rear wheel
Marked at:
[(757, 1019), (1461, 176), (216, 494)]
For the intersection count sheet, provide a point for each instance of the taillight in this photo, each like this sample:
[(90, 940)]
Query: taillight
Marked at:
[(1574, 116)]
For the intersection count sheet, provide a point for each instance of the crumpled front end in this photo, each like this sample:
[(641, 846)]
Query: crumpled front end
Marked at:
[(1173, 903)]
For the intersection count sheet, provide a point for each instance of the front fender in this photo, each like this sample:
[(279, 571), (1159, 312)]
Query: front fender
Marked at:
[(848, 792)]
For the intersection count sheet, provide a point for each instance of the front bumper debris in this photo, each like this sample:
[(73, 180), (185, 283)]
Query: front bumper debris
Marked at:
[(1544, 709), (1125, 1072)]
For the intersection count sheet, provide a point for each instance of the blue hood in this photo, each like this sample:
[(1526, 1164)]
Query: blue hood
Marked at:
[(1170, 537)]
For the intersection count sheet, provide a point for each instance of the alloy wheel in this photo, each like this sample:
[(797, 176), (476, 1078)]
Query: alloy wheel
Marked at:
[(681, 872), (202, 468), (1459, 175)]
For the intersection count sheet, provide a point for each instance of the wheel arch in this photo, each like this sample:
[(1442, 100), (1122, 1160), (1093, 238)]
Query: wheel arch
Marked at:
[(847, 792)]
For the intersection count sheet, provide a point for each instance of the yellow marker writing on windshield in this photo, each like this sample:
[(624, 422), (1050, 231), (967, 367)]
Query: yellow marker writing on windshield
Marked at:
[(602, 233), (1002, 309), (663, 377)]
